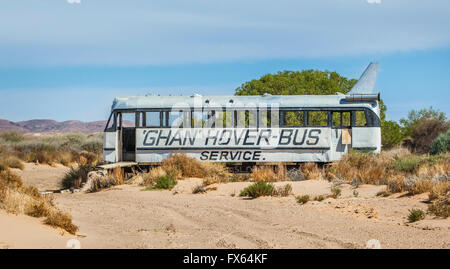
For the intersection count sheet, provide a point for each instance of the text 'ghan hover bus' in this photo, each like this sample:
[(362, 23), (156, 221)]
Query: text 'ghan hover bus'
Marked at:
[(245, 129)]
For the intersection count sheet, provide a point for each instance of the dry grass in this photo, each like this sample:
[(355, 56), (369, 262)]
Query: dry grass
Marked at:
[(269, 174), (65, 149), (12, 162), (179, 165), (62, 220), (311, 171), (19, 198)]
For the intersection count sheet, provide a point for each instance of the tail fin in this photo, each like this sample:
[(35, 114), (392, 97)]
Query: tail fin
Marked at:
[(366, 82)]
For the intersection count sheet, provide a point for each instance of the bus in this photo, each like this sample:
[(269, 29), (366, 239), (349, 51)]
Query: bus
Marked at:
[(245, 129)]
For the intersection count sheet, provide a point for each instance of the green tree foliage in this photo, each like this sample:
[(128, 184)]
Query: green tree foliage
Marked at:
[(306, 82), (441, 144), (391, 134), (414, 116), (422, 127)]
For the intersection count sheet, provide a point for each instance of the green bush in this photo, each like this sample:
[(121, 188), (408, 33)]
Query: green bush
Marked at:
[(319, 198), (258, 189), (302, 199), (166, 182), (441, 144), (415, 215)]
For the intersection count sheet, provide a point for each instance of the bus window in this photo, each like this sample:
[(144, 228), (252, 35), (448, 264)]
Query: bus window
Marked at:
[(246, 118), (152, 119), (294, 118), (360, 118), (176, 119), (128, 119), (224, 119), (111, 123), (337, 119), (346, 119), (317, 118), (264, 118), (197, 119)]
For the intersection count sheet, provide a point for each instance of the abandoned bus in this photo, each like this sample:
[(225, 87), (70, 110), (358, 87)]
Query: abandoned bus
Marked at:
[(245, 129)]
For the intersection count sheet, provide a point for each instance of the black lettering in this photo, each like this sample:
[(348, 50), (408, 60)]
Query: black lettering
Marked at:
[(315, 137), (213, 155), (303, 138), (224, 155), (163, 137), (245, 155), (256, 155), (246, 143), (214, 137), (204, 155), (266, 137), (222, 135), (191, 138), (236, 141), (176, 137), (288, 137), (152, 138)]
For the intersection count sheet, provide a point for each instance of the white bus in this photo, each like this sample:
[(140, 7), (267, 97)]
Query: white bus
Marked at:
[(245, 129)]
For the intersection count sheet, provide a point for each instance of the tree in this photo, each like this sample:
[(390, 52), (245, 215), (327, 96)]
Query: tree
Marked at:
[(391, 134), (422, 127), (414, 116), (306, 82)]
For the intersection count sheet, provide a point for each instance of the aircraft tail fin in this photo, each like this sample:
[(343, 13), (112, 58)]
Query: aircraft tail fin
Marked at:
[(366, 82)]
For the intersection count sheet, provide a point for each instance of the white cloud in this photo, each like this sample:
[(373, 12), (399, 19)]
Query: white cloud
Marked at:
[(374, 1), (74, 1)]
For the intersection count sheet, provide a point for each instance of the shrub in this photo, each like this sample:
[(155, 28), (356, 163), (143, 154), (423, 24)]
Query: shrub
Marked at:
[(263, 173), (415, 215), (335, 192), (257, 189), (284, 190), (310, 171), (319, 198), (355, 193), (151, 177), (198, 189), (12, 162), (166, 182), (186, 166), (302, 199), (441, 144), (75, 176), (62, 220), (440, 208)]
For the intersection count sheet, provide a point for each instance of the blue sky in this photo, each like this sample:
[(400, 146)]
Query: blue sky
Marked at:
[(63, 61)]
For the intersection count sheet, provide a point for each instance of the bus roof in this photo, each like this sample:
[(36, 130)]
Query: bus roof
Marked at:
[(231, 101)]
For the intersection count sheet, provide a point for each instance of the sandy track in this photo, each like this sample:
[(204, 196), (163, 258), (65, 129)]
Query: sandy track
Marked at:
[(126, 217), (44, 177)]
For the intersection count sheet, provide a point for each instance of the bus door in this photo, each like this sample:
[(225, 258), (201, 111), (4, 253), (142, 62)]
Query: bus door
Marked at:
[(127, 136), (341, 132)]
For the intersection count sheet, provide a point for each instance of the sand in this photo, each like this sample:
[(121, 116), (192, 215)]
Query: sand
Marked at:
[(127, 217)]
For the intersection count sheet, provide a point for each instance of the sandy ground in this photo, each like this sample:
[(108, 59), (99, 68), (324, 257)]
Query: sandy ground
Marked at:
[(127, 217), (44, 177)]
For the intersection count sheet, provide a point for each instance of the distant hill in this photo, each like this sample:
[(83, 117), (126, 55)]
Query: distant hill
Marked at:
[(43, 126)]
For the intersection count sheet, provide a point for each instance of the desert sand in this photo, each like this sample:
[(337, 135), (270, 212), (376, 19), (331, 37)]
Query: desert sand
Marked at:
[(127, 217)]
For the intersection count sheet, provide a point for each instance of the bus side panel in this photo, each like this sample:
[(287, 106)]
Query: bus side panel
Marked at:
[(110, 146), (367, 138)]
